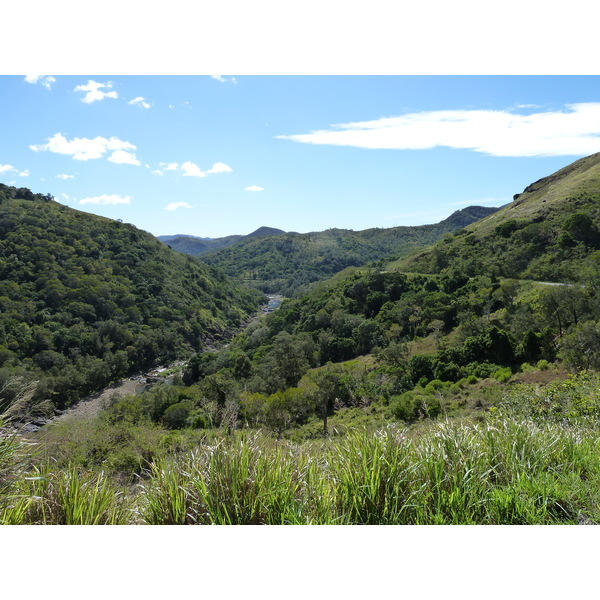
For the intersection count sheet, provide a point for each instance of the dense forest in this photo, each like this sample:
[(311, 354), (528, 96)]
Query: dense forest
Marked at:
[(86, 300), (458, 384)]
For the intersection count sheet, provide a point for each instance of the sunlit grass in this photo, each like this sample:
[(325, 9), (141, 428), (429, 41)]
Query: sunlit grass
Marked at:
[(501, 471)]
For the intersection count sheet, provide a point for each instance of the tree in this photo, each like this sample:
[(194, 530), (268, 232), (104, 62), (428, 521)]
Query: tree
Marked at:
[(324, 387), (581, 348), (282, 408)]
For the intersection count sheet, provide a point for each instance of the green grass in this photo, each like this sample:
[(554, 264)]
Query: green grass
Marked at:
[(515, 466)]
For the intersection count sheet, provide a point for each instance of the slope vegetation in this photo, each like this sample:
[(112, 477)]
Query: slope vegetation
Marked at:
[(85, 300), (551, 232), (286, 263)]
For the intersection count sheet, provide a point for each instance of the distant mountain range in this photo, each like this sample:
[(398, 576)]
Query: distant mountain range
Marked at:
[(276, 261), (190, 244)]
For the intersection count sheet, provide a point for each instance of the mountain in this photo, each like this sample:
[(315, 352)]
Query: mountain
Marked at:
[(288, 262), (264, 232), (549, 232), (189, 244), (85, 300)]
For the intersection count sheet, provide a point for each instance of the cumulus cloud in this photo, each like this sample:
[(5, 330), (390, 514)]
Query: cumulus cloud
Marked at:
[(219, 168), (254, 188), (107, 199), (45, 80), (82, 148), (24, 173), (64, 176), (139, 101), (121, 157), (94, 91), (7, 169), (190, 169), (572, 130), (176, 205)]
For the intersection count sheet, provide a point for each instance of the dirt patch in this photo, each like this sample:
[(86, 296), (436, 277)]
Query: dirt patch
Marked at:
[(91, 406)]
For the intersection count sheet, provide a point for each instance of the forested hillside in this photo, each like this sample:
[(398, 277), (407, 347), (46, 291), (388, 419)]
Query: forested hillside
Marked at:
[(287, 263), (550, 232), (86, 300)]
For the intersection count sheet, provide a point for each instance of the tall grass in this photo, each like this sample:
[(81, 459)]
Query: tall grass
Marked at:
[(503, 471), (240, 481)]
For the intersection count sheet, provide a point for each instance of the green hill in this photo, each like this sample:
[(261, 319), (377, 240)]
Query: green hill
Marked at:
[(189, 244), (85, 300), (550, 232), (288, 262)]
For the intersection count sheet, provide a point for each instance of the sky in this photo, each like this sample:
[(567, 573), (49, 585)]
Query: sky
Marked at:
[(214, 155)]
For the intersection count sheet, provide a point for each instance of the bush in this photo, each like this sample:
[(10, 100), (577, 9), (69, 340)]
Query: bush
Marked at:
[(175, 417), (404, 407), (502, 375)]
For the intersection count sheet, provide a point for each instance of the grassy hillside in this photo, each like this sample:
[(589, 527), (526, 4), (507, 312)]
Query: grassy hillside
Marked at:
[(85, 300), (551, 232), (286, 263)]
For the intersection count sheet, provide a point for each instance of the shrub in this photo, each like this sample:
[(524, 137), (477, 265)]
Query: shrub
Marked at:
[(404, 407), (175, 417), (503, 374)]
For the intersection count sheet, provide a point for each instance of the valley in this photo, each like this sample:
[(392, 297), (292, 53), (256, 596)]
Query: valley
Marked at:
[(439, 374)]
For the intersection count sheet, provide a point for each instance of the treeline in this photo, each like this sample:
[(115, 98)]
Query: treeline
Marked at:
[(86, 300)]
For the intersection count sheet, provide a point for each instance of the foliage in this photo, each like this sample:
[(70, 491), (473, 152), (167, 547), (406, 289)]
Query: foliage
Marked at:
[(288, 263), (86, 300)]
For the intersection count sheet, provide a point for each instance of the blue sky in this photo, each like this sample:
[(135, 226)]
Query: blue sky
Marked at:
[(218, 155)]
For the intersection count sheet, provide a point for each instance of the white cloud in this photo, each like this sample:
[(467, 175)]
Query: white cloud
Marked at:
[(192, 170), (94, 92), (64, 176), (574, 130), (121, 157), (7, 169), (45, 80), (64, 196), (82, 148), (254, 188), (224, 79), (107, 199), (219, 168), (176, 205), (140, 101), (24, 173)]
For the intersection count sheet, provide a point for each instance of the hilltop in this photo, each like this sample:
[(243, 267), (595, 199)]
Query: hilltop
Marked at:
[(195, 246), (86, 300)]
